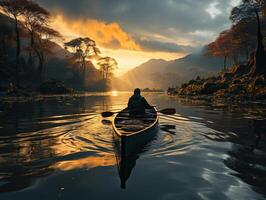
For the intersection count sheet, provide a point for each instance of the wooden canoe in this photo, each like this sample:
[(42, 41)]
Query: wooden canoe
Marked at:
[(131, 138), (135, 132)]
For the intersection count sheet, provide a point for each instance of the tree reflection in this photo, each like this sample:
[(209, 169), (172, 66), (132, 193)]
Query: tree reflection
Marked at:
[(249, 161)]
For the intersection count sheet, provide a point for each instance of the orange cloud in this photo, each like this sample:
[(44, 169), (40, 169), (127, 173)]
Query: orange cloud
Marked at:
[(106, 35)]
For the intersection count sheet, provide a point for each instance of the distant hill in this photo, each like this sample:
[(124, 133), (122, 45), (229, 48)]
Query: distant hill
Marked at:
[(158, 73)]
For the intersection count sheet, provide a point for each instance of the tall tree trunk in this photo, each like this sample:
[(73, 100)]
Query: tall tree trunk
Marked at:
[(3, 49), (84, 71), (225, 58), (30, 60), (40, 67), (235, 59), (17, 50), (259, 65), (247, 53)]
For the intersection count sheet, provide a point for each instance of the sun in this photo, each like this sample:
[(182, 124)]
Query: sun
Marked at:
[(114, 93)]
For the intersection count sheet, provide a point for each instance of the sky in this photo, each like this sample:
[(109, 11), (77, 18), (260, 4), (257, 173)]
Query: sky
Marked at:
[(134, 31)]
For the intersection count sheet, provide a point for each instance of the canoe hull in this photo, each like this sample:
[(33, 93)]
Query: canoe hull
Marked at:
[(134, 142)]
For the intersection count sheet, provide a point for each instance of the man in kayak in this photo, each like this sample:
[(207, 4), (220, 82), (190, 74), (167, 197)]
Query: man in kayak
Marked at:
[(137, 104)]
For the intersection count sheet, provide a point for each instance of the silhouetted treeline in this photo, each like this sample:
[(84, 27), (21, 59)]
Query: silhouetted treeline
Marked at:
[(30, 54)]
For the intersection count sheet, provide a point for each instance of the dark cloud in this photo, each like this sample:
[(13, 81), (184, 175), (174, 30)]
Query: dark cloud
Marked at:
[(188, 19)]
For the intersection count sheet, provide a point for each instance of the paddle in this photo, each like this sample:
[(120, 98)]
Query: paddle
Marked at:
[(166, 111)]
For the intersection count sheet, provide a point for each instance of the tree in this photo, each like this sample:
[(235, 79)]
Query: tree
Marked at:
[(222, 47), (43, 45), (6, 35), (244, 37), (246, 11), (83, 48), (34, 17), (14, 9), (107, 66)]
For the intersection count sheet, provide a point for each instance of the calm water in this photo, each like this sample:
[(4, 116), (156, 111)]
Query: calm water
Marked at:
[(60, 148)]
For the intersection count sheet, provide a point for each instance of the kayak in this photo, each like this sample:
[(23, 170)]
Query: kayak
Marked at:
[(135, 132)]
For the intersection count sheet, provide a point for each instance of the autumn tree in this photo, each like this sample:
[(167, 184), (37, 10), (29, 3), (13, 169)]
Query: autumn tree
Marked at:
[(247, 11), (107, 66), (244, 37), (221, 47), (14, 9), (34, 17), (83, 48)]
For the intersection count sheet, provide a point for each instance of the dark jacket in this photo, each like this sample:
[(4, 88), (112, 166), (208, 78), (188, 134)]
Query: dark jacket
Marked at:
[(137, 105)]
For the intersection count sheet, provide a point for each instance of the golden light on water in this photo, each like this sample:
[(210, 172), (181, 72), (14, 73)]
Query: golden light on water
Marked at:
[(114, 93), (89, 162)]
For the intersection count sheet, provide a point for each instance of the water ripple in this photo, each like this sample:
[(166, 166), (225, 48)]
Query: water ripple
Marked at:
[(199, 153)]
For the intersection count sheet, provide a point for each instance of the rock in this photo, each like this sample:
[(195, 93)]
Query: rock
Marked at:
[(223, 94), (184, 85), (240, 70), (235, 89), (192, 82), (171, 90), (257, 88), (227, 76), (53, 87), (236, 81), (260, 93), (211, 88)]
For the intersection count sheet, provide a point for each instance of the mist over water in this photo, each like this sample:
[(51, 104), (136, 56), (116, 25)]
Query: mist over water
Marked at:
[(61, 148)]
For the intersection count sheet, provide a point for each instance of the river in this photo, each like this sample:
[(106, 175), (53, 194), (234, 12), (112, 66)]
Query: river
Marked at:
[(61, 148)]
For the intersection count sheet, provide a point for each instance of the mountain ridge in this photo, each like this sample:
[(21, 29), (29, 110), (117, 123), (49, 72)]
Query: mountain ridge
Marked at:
[(172, 72)]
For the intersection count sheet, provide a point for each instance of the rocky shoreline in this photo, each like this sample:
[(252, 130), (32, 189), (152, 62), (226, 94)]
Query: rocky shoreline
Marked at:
[(236, 84), (11, 93)]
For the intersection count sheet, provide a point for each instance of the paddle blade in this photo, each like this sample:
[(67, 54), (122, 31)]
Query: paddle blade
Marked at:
[(107, 114), (168, 111)]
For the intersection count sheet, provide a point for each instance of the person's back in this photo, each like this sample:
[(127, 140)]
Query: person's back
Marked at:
[(137, 104)]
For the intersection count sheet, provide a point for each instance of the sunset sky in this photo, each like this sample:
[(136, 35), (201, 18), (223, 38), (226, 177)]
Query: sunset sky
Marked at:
[(134, 31)]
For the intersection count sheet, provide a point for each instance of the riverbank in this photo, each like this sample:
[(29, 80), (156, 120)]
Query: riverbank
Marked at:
[(236, 84)]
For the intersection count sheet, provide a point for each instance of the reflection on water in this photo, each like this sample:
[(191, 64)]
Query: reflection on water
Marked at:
[(60, 147)]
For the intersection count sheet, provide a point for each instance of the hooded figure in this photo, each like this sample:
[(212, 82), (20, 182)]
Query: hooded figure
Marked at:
[(137, 104)]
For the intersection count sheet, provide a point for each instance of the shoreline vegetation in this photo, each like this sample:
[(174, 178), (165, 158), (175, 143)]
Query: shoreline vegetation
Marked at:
[(53, 89), (237, 84), (244, 81)]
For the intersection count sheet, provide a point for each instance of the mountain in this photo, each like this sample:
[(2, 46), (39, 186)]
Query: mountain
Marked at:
[(158, 73)]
